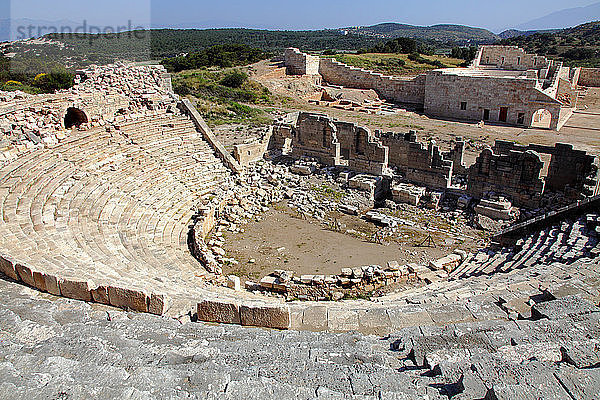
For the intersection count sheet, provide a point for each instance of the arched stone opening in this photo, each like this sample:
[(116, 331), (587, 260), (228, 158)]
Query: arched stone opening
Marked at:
[(74, 118), (542, 118)]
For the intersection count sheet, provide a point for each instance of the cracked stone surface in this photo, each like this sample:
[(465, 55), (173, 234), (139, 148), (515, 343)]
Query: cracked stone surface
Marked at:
[(58, 348)]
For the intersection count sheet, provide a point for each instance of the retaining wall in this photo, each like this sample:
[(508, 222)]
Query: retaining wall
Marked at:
[(395, 89), (589, 77)]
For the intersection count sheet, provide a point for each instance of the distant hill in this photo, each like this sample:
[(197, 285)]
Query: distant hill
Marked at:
[(511, 33), (569, 17), (578, 46), (457, 34)]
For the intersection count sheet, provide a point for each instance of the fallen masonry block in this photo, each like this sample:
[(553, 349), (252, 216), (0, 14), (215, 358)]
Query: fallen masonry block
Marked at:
[(233, 282), (158, 304), (393, 265), (276, 317), (131, 299), (350, 210), (77, 290), (267, 282), (581, 354), (223, 312), (7, 267), (25, 274), (447, 263)]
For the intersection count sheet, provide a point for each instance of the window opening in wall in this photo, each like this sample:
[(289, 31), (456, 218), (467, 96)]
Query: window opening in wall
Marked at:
[(325, 144), (487, 60), (521, 119), (534, 61), (486, 115), (518, 60), (502, 60), (463, 105)]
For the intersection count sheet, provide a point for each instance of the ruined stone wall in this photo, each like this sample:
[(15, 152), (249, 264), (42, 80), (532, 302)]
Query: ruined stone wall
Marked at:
[(248, 153), (400, 90), (298, 63), (315, 135), (511, 57), (363, 151), (515, 171), (590, 77), (515, 174), (573, 172), (420, 164), (461, 95)]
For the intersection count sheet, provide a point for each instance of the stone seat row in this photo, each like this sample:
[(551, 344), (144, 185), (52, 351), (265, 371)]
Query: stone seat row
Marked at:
[(112, 206), (566, 243)]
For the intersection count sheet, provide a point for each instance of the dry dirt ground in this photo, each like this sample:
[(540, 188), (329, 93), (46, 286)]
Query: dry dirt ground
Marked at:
[(281, 240)]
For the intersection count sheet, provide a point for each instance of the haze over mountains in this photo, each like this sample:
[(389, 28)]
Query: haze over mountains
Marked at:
[(563, 19)]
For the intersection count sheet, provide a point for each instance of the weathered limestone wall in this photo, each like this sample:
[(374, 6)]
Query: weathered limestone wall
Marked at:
[(315, 135), (590, 77), (363, 151), (511, 57), (420, 164), (446, 91), (515, 171), (573, 172), (395, 89), (331, 142), (248, 153), (515, 174), (298, 63)]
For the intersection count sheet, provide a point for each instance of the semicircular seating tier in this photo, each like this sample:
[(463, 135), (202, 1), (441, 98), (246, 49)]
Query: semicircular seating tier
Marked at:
[(113, 207)]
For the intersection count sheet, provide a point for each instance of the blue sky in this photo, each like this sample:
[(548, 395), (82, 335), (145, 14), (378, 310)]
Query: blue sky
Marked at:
[(284, 14)]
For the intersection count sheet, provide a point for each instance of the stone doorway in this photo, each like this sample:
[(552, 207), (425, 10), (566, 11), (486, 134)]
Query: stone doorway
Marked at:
[(503, 117)]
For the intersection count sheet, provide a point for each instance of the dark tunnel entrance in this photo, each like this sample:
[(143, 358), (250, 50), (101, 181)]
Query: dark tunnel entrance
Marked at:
[(74, 118)]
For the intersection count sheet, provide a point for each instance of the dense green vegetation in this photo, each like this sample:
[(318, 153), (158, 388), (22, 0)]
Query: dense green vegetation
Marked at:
[(224, 55), (464, 53), (37, 78), (401, 45), (444, 35), (578, 46), (224, 95), (163, 43)]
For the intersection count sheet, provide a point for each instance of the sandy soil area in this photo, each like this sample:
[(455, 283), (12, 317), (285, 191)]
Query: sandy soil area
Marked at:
[(283, 241)]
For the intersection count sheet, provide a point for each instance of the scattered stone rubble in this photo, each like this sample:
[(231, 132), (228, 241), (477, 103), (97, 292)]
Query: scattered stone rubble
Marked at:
[(102, 95)]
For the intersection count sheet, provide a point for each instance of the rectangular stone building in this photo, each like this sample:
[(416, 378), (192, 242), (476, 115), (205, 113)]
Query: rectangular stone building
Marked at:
[(503, 85)]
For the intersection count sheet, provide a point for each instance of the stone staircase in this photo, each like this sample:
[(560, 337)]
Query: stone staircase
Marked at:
[(565, 242)]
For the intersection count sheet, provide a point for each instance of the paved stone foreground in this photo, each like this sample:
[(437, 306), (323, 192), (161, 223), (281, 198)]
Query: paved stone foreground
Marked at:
[(56, 348)]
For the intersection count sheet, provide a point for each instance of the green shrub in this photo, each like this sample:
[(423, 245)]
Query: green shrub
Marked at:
[(234, 79)]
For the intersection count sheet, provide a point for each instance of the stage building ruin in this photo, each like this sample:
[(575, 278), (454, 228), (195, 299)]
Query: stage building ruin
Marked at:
[(513, 170), (502, 85)]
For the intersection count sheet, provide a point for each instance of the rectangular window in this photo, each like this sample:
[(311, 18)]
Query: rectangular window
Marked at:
[(518, 60), (502, 60), (463, 105), (534, 61), (521, 119), (487, 60), (486, 115)]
